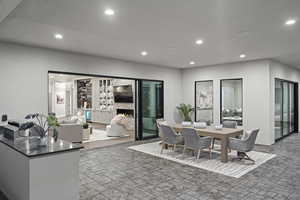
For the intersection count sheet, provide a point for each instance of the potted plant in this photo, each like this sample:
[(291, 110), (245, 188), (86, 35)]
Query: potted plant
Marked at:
[(53, 123), (86, 132), (41, 124), (185, 111)]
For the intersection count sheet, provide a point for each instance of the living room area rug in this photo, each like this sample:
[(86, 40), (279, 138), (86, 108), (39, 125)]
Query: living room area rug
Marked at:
[(98, 135), (234, 169)]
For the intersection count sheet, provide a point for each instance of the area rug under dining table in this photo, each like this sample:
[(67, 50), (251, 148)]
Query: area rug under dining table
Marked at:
[(234, 169)]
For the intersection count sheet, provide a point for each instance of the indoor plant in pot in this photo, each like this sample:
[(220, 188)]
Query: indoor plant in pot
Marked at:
[(86, 132), (42, 125), (185, 111)]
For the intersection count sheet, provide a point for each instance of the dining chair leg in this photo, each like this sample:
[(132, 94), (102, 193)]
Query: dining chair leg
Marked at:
[(162, 147), (213, 143), (209, 152), (198, 156)]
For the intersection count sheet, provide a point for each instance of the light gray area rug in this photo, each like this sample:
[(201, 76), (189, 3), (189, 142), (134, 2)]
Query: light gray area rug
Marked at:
[(99, 135), (234, 169)]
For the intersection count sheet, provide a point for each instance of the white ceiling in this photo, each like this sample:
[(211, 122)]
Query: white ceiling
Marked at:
[(166, 29)]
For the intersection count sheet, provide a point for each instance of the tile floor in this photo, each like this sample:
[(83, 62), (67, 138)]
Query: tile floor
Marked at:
[(115, 173)]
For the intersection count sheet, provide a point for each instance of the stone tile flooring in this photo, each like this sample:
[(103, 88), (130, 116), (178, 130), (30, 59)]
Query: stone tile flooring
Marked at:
[(116, 173)]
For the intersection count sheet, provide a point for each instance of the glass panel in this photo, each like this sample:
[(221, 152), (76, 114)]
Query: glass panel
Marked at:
[(204, 101), (285, 109), (152, 107), (232, 100), (278, 109), (291, 111)]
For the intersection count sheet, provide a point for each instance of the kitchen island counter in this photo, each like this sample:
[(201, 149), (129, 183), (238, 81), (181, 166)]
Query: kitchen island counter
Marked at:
[(29, 171)]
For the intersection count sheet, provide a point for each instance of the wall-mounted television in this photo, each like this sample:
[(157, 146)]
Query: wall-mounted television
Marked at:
[(123, 94)]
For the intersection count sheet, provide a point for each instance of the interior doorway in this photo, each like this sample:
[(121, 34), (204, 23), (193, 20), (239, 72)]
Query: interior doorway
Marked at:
[(94, 110), (115, 109)]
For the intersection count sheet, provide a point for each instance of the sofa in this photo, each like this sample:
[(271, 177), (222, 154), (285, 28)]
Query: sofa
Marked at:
[(70, 130)]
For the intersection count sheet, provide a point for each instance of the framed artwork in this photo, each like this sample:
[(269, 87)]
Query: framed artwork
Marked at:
[(60, 99), (204, 101)]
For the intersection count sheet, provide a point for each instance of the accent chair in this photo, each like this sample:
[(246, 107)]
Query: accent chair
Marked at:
[(244, 145), (194, 142), (169, 137)]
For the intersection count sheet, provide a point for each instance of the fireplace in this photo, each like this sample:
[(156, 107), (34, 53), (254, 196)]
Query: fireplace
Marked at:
[(129, 112)]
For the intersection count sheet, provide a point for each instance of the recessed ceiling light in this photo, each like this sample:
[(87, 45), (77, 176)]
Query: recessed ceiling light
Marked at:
[(109, 12), (58, 36), (242, 56), (144, 53), (192, 63), (199, 42), (290, 22)]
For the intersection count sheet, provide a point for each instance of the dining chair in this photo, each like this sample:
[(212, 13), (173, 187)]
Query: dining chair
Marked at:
[(170, 137), (226, 124), (229, 124), (244, 145), (158, 123), (194, 142)]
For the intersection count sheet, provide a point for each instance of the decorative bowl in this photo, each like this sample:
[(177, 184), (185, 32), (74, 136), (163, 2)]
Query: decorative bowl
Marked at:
[(186, 124), (200, 125), (219, 127)]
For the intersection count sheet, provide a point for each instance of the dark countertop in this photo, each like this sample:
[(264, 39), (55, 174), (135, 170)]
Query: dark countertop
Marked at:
[(30, 148)]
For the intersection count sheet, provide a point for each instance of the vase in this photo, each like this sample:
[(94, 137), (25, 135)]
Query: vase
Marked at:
[(43, 141), (86, 134)]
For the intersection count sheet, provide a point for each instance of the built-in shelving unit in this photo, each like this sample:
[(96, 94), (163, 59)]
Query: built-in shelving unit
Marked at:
[(95, 96), (106, 96), (84, 93)]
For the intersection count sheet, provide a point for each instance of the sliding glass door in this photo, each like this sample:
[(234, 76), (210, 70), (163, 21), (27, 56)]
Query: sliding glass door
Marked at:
[(286, 94), (285, 109), (278, 109), (150, 108)]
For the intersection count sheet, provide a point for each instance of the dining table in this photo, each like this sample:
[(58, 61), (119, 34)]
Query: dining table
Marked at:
[(222, 134)]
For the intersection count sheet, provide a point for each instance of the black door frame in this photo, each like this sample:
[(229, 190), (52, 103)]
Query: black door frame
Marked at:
[(136, 95), (139, 135), (296, 107)]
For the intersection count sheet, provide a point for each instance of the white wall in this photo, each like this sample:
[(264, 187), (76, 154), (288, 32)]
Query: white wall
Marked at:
[(256, 93), (281, 71), (23, 77), (23, 82)]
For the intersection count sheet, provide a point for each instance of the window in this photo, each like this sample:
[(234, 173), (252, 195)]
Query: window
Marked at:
[(232, 100), (204, 101)]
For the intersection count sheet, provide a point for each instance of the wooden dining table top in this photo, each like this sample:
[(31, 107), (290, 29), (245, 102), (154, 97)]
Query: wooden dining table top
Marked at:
[(223, 134), (212, 131)]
